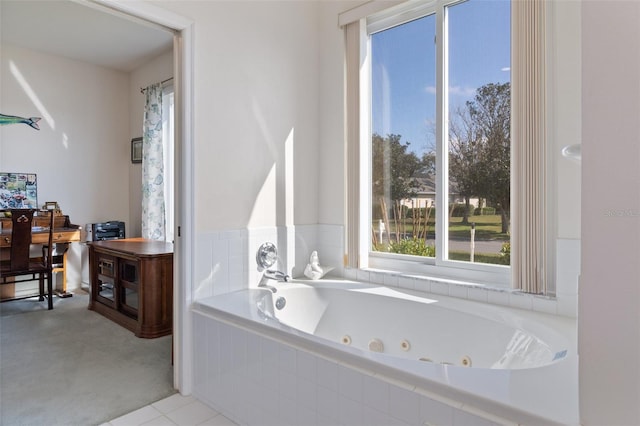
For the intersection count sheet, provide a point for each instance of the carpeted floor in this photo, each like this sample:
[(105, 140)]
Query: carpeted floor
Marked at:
[(71, 366)]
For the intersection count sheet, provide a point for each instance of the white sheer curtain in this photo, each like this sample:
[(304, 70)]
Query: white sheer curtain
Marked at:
[(153, 176)]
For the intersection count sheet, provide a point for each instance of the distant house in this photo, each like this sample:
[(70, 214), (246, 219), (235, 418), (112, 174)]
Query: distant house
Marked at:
[(425, 192)]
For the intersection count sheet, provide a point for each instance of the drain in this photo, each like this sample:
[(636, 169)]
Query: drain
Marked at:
[(280, 303), (376, 345), (346, 339), (405, 345), (466, 361)]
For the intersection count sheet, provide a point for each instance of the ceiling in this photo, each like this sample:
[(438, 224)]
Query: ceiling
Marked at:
[(72, 30)]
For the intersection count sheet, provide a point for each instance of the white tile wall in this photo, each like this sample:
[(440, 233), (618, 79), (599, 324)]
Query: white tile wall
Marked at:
[(226, 262), (255, 380)]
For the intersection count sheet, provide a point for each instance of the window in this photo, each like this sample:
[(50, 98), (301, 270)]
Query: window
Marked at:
[(431, 133)]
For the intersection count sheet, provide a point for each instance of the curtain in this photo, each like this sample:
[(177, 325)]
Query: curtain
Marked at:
[(153, 204)]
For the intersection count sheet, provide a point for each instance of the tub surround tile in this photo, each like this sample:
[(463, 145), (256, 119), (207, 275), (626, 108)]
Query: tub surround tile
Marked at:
[(390, 280), (351, 274), (459, 291), (423, 285), (287, 359), (407, 283), (307, 393), (568, 305), (287, 411), (461, 418), (438, 287), (225, 262), (306, 416), (374, 417), (478, 294), (333, 393), (363, 275), (521, 300), (306, 366), (499, 298), (327, 374), (350, 412), (377, 277), (350, 383), (435, 413), (545, 305), (287, 384), (376, 393), (327, 404), (404, 405), (567, 266)]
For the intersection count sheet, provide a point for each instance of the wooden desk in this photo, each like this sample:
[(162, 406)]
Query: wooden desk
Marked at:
[(60, 235), (132, 284), (64, 232)]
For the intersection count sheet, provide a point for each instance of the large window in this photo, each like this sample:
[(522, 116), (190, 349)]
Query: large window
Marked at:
[(440, 98), (504, 114)]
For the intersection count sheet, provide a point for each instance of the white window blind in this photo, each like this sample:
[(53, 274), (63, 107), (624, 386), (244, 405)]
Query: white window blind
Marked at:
[(529, 249)]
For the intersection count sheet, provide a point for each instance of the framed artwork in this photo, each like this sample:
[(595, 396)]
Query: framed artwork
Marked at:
[(51, 205), (18, 191), (136, 150)]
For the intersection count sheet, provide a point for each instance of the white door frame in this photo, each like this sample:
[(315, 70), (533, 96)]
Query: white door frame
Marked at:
[(184, 203)]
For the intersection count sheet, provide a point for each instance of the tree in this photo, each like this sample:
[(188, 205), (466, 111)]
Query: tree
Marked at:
[(392, 169), (465, 145), (480, 151)]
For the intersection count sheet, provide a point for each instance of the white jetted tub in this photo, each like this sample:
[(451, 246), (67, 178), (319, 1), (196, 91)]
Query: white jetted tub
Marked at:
[(520, 366)]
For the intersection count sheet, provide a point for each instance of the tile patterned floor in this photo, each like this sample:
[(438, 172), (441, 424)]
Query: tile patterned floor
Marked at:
[(176, 410)]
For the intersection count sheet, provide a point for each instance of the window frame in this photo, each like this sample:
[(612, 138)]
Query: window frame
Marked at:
[(533, 223), (439, 266)]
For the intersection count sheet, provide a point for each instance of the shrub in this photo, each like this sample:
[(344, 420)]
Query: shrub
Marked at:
[(413, 246), (485, 211), (505, 254), (458, 210)]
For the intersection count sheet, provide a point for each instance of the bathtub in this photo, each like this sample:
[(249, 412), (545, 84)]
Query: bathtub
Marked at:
[(476, 362)]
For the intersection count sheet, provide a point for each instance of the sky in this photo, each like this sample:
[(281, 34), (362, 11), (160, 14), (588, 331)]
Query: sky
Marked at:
[(403, 67)]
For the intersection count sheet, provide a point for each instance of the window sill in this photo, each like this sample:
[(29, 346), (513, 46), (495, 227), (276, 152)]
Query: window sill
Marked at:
[(470, 290)]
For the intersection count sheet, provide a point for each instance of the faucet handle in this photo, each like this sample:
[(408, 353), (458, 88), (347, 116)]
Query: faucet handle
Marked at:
[(277, 275)]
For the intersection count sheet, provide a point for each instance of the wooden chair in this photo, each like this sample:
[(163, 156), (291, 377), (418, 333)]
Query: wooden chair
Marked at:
[(20, 263)]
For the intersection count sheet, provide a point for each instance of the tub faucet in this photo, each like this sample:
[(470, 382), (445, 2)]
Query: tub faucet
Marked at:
[(270, 274)]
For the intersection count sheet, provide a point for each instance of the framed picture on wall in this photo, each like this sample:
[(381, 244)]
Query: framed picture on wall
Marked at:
[(136, 150), (18, 191)]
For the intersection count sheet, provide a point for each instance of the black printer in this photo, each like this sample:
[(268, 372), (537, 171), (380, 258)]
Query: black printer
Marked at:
[(112, 230)]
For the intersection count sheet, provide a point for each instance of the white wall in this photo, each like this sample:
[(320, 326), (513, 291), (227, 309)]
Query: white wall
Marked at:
[(609, 296), (565, 121), (156, 70), (80, 153), (256, 112)]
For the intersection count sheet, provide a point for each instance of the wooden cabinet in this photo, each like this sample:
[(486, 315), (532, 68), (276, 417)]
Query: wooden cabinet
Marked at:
[(132, 284)]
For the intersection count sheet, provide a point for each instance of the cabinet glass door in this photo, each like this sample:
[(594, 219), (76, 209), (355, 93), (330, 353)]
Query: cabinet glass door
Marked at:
[(106, 281), (129, 284)]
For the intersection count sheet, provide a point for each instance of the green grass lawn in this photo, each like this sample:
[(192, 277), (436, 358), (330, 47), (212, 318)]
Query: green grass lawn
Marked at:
[(487, 228), (477, 257)]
